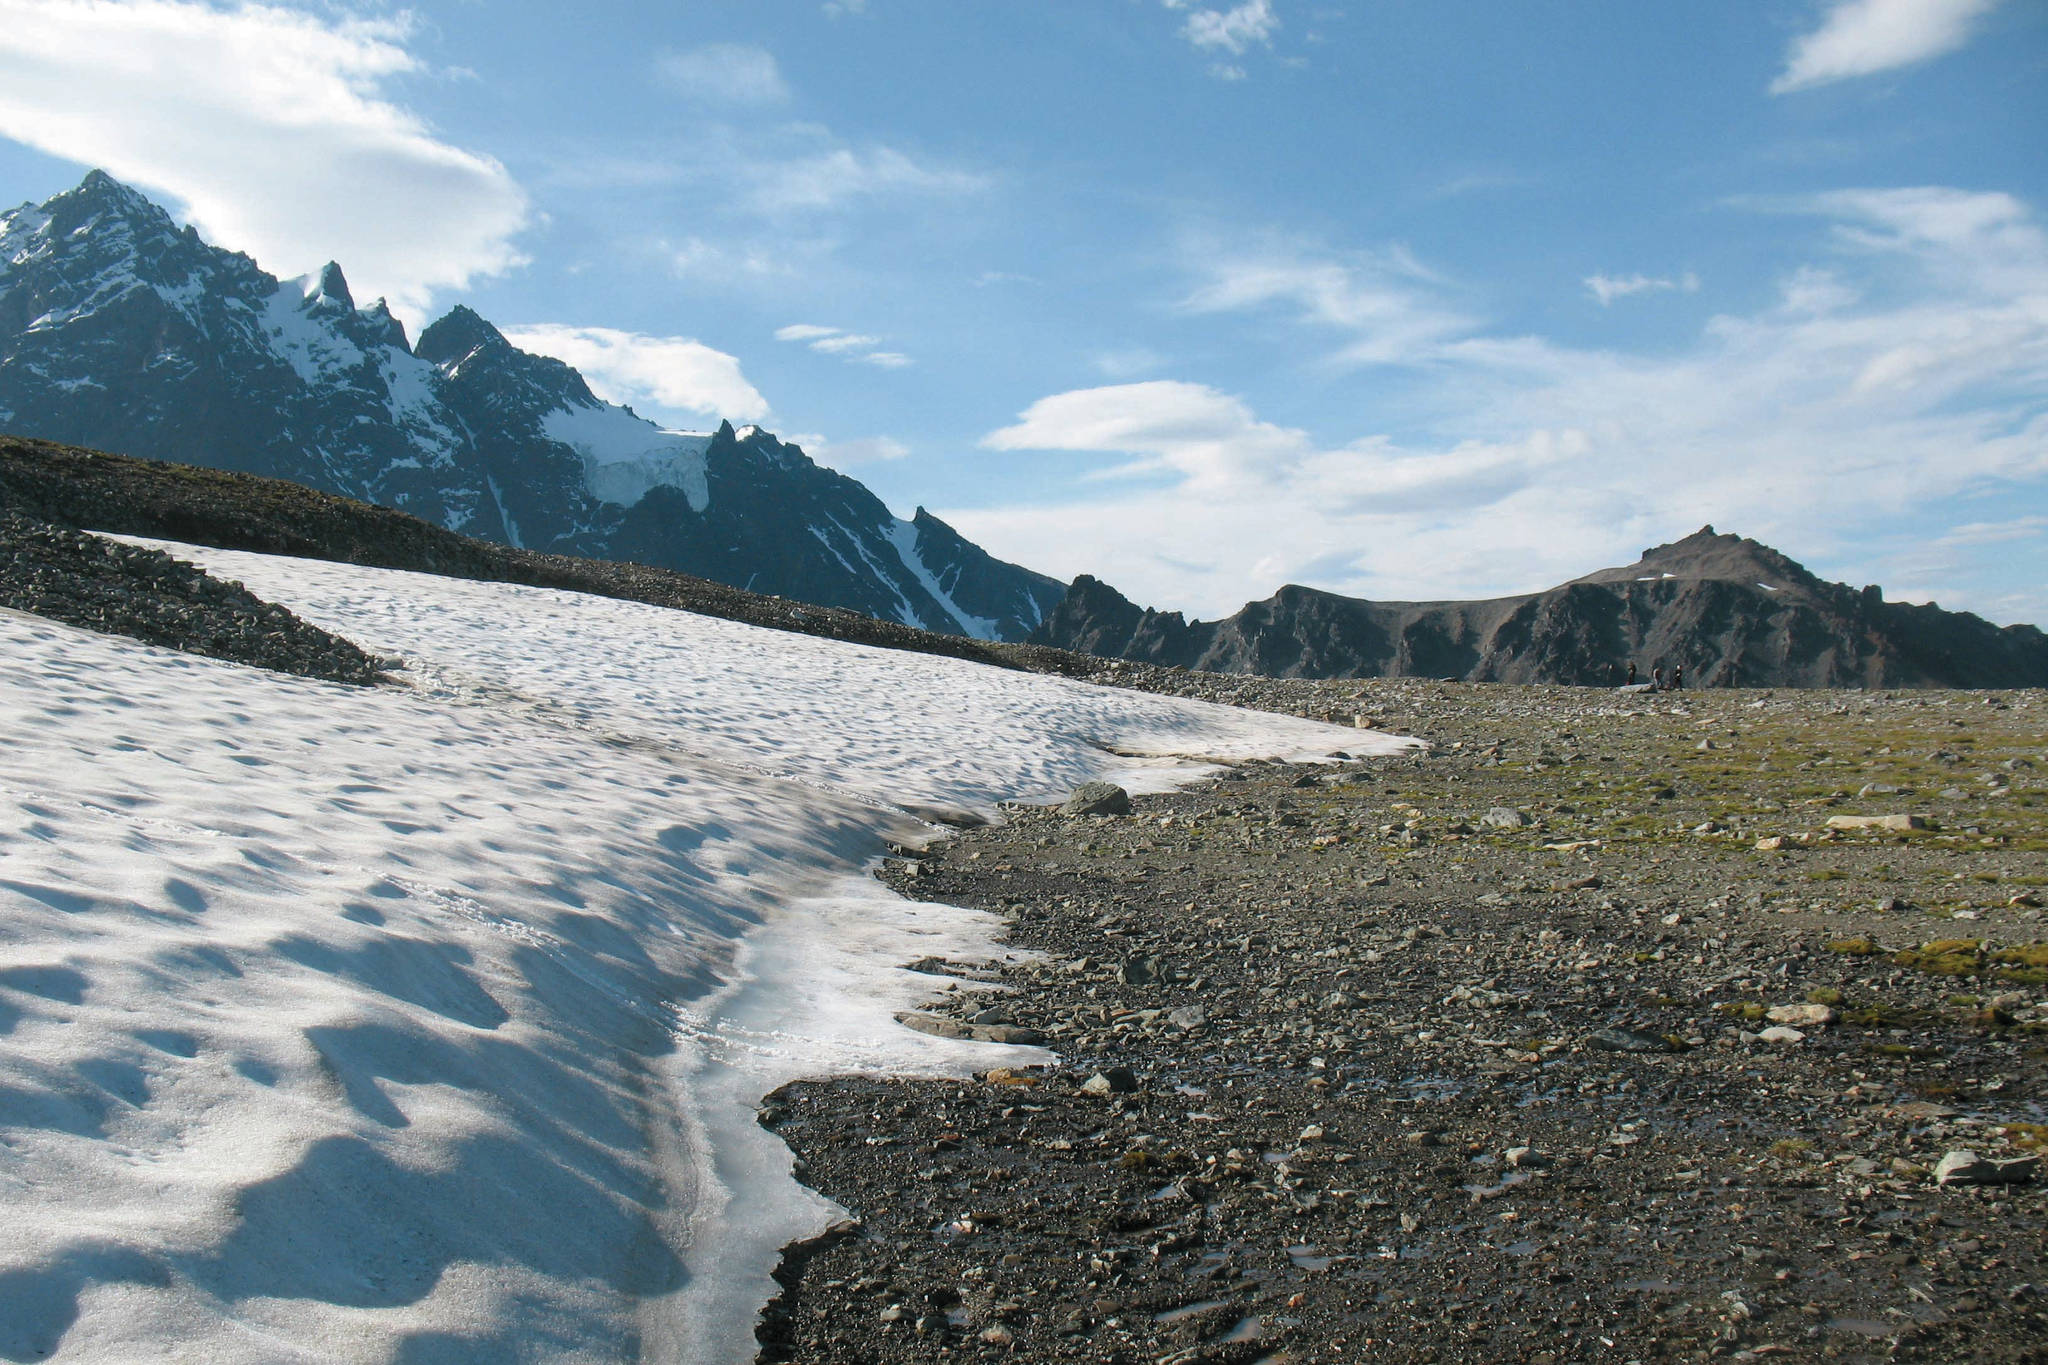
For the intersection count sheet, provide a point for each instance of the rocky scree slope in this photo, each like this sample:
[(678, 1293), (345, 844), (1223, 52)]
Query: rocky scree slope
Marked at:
[(121, 331), (1733, 612), (1588, 1033), (116, 589)]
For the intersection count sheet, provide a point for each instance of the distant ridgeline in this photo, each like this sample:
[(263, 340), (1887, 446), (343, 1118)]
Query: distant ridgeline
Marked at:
[(1732, 612), (122, 332)]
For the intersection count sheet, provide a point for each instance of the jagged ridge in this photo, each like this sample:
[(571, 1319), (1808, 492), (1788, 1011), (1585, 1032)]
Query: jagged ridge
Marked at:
[(1733, 612)]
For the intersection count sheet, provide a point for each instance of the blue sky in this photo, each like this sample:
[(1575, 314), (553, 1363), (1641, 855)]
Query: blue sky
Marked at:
[(1399, 299)]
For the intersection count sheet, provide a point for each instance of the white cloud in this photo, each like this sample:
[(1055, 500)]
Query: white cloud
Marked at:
[(275, 130), (1895, 383), (1235, 30), (1862, 37), (887, 360), (804, 331), (673, 373), (724, 73), (1608, 288)]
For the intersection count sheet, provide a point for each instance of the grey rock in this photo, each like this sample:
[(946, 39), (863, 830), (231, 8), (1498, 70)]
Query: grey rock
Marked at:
[(1138, 971), (1504, 817), (1964, 1167), (1097, 798), (1111, 1080), (1631, 1040), (945, 1026)]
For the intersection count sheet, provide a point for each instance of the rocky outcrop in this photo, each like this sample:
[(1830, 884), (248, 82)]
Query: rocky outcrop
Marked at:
[(1730, 611), (119, 589), (121, 331)]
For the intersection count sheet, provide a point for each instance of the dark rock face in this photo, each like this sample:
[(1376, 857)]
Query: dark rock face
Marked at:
[(1732, 612), (122, 332)]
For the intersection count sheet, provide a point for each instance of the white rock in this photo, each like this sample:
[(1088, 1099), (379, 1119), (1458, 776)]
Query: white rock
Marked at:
[(1804, 1016)]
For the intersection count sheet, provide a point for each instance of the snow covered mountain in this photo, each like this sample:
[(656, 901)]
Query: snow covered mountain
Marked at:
[(121, 331)]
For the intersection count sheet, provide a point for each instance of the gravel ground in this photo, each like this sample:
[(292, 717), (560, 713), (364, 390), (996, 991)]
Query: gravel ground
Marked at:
[(117, 589), (1582, 1037)]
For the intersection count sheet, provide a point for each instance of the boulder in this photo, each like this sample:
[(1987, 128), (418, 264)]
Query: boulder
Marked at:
[(1890, 822), (1097, 798)]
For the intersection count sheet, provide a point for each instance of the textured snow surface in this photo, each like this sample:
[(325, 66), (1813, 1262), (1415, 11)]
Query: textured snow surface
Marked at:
[(624, 456), (425, 1023)]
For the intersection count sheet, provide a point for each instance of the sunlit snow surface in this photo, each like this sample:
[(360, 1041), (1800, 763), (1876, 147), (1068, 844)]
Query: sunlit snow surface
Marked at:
[(424, 1023)]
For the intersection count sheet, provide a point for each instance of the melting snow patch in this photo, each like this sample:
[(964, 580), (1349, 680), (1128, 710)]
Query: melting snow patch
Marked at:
[(358, 1024)]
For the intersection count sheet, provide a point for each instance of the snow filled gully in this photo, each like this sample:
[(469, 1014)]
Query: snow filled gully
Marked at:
[(428, 1022)]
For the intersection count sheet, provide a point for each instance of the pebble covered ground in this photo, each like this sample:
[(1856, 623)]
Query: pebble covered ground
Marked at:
[(1617, 1026), (120, 589)]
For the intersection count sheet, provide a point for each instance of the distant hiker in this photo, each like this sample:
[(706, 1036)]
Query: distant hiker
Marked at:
[(1631, 672), (1678, 677), (1657, 678)]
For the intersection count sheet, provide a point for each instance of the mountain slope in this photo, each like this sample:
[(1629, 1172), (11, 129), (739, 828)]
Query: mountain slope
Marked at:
[(1732, 612), (123, 332)]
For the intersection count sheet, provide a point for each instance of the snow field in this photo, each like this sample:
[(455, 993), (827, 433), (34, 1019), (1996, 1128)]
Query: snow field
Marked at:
[(425, 1023)]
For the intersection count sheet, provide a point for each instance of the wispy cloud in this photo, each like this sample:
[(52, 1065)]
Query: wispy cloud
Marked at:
[(274, 129), (1608, 288), (724, 74), (1388, 306), (1863, 37), (1895, 378), (854, 346), (1128, 363), (829, 179), (673, 373), (856, 451)]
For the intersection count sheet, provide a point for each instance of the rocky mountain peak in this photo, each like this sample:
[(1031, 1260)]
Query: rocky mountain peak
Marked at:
[(332, 287), (458, 335), (100, 192), (1707, 555)]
